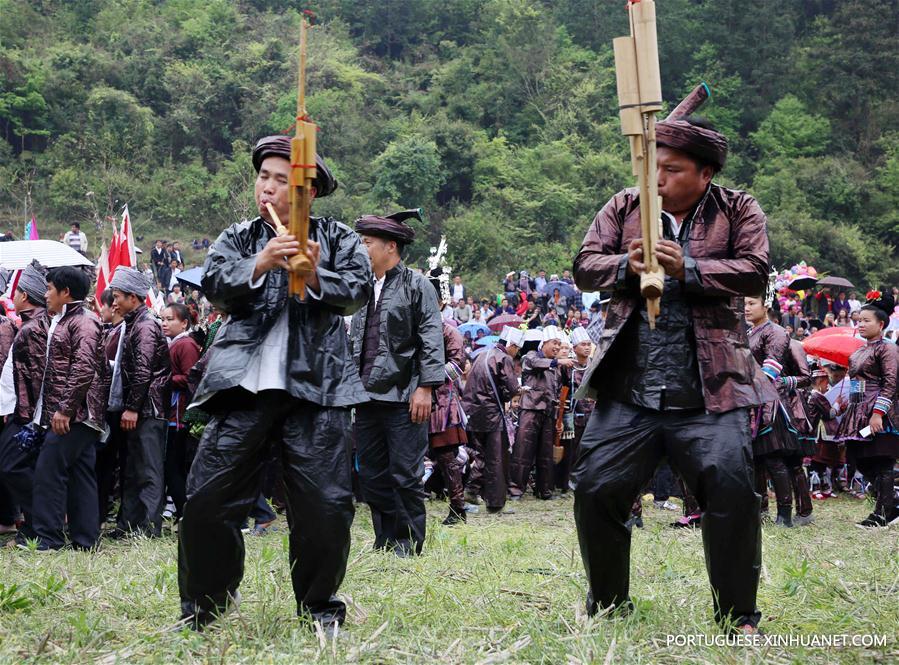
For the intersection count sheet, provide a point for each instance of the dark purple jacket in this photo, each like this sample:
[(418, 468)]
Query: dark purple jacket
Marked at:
[(727, 259)]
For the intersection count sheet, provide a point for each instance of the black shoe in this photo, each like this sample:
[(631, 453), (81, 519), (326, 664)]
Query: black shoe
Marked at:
[(634, 521), (472, 498), (784, 518), (197, 618), (873, 521), (454, 517)]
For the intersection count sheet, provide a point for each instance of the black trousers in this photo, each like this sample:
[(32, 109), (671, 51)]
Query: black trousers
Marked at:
[(391, 451), (9, 511), (65, 485), (143, 490), (110, 465), (224, 484), (17, 473), (533, 446), (180, 449), (487, 477), (619, 453)]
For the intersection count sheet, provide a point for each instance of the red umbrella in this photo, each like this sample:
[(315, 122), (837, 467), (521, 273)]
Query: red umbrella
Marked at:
[(497, 324), (835, 345)]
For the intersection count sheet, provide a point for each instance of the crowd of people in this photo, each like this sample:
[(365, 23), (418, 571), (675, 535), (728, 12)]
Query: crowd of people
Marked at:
[(383, 385), (821, 308)]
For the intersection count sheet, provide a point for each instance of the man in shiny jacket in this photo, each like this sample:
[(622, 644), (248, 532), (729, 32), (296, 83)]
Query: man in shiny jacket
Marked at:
[(541, 381), (141, 388), (491, 384), (29, 358), (684, 389), (397, 343), (71, 410), (278, 371)]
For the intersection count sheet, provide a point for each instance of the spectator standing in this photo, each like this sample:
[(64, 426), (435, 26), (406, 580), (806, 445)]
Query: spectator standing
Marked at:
[(75, 238), (142, 385), (463, 312)]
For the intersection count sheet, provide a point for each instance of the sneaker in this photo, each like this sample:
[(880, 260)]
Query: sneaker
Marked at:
[(803, 520), (471, 508), (472, 498), (500, 511), (873, 521), (8, 528), (819, 496), (665, 505)]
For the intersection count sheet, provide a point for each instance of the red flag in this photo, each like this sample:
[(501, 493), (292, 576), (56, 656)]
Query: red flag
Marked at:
[(113, 255), (126, 254), (103, 276)]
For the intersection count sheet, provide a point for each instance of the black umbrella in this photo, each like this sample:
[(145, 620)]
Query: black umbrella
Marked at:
[(801, 283), (839, 282)]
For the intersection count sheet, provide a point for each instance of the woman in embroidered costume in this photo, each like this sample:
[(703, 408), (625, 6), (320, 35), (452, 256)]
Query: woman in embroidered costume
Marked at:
[(775, 442), (868, 424)]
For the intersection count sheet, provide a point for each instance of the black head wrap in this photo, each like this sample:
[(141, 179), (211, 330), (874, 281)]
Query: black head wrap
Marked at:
[(390, 227), (279, 146)]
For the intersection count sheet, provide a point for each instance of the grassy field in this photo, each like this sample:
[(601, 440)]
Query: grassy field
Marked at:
[(500, 589)]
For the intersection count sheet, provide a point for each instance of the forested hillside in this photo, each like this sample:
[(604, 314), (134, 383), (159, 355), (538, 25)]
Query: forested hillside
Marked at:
[(498, 117)]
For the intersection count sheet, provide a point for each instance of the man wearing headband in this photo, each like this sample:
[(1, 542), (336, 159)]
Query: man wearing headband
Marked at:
[(28, 359), (279, 371), (680, 391), (491, 384), (8, 332), (69, 415), (540, 374), (141, 387), (397, 343), (577, 411)]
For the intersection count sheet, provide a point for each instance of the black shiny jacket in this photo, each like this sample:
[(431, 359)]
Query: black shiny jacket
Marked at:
[(320, 369), (410, 350)]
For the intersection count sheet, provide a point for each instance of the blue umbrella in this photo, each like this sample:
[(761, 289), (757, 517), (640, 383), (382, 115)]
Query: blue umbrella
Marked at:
[(566, 290), (473, 327), (489, 339)]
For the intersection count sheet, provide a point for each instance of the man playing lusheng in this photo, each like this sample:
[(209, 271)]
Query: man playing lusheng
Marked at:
[(684, 389), (279, 370)]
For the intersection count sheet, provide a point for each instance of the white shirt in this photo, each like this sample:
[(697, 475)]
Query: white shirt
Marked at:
[(7, 387), (854, 305), (379, 284), (268, 368), (458, 292), (54, 321)]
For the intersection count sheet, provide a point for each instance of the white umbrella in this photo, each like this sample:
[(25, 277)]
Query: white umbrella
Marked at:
[(17, 254)]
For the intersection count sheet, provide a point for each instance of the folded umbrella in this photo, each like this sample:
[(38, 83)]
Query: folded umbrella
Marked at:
[(836, 347)]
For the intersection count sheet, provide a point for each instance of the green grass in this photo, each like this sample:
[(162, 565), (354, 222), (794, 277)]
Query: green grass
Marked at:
[(500, 589)]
